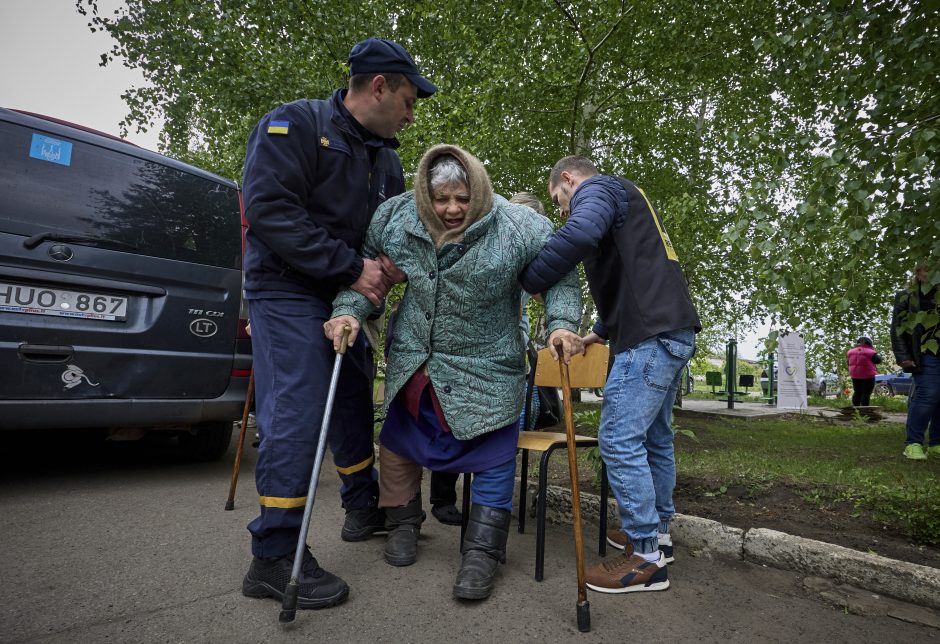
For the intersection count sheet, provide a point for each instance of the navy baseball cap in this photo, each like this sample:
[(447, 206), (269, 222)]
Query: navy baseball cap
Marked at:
[(379, 56)]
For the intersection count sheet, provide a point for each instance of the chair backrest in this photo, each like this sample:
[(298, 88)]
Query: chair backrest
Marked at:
[(586, 371)]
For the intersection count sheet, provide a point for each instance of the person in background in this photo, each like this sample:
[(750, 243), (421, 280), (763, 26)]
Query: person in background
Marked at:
[(456, 368), (315, 171), (917, 350), (532, 201), (645, 311), (862, 359)]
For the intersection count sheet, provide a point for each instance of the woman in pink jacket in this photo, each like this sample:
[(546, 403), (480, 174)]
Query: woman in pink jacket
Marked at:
[(862, 360)]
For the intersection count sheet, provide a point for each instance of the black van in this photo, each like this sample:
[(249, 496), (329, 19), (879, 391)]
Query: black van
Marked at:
[(120, 289)]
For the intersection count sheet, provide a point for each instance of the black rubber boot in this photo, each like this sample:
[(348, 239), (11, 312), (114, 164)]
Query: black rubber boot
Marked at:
[(484, 548), (404, 525)]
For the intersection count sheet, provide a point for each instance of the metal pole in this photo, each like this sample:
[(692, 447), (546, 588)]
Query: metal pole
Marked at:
[(731, 355), (289, 605)]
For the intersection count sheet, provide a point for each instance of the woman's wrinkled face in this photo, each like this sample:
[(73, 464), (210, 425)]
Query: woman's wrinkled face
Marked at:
[(451, 204)]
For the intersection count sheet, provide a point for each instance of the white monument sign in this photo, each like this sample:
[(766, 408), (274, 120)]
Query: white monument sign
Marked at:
[(791, 373)]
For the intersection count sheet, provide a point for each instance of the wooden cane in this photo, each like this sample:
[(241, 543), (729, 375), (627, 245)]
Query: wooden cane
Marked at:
[(583, 606), (249, 398)]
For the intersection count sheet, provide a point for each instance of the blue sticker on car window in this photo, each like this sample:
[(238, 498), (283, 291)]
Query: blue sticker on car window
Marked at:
[(52, 150)]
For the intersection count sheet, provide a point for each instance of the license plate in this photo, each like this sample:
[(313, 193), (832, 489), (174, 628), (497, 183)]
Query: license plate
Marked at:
[(36, 300)]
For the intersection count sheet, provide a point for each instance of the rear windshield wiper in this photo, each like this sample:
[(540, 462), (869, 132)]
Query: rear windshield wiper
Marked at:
[(39, 238)]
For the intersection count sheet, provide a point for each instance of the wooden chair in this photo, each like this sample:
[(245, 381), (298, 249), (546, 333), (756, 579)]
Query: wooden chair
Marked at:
[(587, 371)]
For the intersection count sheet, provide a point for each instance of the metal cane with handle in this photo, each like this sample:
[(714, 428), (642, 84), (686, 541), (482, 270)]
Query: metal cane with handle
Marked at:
[(289, 605), (583, 606), (249, 398)]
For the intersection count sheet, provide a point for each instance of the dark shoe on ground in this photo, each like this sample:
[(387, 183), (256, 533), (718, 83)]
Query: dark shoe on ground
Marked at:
[(404, 526), (447, 514), (475, 577), (484, 547), (362, 523), (318, 588), (618, 539), (628, 574)]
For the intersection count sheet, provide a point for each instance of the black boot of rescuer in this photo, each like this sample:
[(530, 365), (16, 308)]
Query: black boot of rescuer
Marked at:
[(318, 588), (484, 548)]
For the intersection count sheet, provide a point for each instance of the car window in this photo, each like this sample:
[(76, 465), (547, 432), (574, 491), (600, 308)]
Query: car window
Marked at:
[(159, 210)]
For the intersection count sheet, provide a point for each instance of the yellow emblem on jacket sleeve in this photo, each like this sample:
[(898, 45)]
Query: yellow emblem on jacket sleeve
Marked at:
[(278, 127)]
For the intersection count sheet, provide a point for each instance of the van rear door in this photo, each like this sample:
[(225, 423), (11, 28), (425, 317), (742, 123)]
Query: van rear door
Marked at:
[(120, 269)]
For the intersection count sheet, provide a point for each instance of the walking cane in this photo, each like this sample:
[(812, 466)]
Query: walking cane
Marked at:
[(583, 606), (249, 398), (289, 606)]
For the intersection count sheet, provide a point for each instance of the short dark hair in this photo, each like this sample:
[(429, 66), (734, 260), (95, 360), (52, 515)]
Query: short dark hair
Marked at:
[(361, 82), (577, 164)]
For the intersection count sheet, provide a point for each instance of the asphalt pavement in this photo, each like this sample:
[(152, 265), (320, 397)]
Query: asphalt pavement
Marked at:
[(127, 544)]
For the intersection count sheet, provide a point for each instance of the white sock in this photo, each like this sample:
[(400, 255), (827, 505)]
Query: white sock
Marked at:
[(650, 556), (665, 539)]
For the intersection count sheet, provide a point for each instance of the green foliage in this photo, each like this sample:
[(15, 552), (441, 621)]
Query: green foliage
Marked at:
[(791, 147), (587, 421), (914, 506)]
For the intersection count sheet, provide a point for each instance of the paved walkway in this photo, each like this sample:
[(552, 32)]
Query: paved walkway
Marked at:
[(761, 410)]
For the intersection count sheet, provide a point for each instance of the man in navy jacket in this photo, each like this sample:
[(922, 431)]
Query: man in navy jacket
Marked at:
[(315, 171), (644, 310)]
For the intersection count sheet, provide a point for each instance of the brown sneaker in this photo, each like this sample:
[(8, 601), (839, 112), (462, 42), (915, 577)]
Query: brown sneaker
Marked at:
[(618, 539), (628, 574)]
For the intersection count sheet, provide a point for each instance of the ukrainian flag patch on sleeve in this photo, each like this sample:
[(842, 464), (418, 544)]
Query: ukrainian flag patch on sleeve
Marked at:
[(278, 127)]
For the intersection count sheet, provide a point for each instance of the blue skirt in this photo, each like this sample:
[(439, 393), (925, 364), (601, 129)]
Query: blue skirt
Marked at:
[(424, 441)]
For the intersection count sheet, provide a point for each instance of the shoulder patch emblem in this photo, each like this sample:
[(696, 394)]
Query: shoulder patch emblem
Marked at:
[(278, 127), (325, 142)]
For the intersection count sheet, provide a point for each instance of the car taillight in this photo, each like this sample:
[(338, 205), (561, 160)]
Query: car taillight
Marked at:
[(241, 373)]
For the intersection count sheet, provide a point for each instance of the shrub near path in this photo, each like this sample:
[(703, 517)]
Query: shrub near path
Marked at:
[(842, 483)]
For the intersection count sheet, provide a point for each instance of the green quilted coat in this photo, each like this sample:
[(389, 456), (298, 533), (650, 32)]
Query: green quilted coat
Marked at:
[(460, 312)]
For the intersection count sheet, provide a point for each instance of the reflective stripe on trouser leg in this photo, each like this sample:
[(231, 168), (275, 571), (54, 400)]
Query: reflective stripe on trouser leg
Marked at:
[(351, 429), (292, 366)]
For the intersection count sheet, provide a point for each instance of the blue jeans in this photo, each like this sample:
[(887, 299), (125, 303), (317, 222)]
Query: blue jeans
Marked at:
[(924, 404), (636, 433)]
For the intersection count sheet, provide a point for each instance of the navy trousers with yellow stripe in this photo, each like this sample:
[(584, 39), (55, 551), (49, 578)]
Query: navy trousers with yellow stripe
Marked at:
[(293, 362)]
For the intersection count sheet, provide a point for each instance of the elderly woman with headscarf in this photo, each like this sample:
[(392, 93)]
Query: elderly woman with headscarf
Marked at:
[(456, 367)]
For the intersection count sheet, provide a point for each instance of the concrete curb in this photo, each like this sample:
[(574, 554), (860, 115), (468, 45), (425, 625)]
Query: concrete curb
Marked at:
[(899, 579)]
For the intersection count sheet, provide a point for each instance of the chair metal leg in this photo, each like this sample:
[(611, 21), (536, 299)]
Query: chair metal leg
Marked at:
[(540, 515), (602, 541), (467, 479), (523, 490)]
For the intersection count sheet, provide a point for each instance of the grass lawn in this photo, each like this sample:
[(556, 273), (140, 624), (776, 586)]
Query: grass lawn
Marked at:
[(826, 463)]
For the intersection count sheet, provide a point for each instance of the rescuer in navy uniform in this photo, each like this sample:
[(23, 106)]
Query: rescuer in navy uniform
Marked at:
[(315, 171)]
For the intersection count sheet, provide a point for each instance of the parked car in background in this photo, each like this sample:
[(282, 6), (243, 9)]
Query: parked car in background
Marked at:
[(893, 384), (120, 289), (820, 383)]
